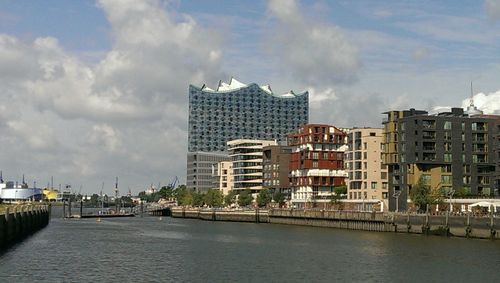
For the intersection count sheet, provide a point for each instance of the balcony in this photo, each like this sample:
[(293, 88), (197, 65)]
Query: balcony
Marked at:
[(428, 135)]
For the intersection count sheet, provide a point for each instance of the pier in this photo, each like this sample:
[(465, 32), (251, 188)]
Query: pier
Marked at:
[(18, 222)]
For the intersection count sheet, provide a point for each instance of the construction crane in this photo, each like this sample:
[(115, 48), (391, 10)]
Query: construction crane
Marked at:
[(174, 182)]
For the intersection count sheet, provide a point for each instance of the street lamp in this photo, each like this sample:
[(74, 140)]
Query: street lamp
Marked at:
[(450, 196), (396, 195), (34, 188)]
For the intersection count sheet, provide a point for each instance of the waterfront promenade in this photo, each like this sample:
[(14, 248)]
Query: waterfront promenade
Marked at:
[(467, 225)]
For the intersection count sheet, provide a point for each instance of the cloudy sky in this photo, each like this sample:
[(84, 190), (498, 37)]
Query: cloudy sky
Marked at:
[(93, 90)]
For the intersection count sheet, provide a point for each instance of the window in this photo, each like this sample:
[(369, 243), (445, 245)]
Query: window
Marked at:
[(467, 169), (446, 179), (384, 185), (447, 125), (374, 185), (315, 155), (446, 169), (447, 157), (383, 175), (447, 146), (447, 135), (365, 145), (364, 155), (364, 175), (315, 164), (325, 155)]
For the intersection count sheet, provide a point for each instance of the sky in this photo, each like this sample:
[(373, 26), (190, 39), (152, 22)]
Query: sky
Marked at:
[(92, 90)]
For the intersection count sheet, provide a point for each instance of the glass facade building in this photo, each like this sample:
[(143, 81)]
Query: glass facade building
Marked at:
[(240, 111)]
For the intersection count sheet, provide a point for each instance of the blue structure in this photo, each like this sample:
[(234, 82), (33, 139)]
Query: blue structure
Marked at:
[(236, 111), (239, 111)]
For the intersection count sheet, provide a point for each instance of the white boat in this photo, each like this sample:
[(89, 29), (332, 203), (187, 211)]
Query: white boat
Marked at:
[(10, 191)]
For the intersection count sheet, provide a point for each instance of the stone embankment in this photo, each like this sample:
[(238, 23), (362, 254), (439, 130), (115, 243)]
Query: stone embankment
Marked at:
[(446, 225), (257, 215), (18, 222)]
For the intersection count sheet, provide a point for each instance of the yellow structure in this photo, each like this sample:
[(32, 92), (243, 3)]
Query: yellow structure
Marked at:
[(50, 195)]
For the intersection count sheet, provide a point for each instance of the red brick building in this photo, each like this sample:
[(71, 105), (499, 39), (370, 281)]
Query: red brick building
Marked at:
[(316, 163)]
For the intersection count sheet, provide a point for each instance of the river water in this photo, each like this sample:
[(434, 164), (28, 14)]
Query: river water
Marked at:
[(183, 250)]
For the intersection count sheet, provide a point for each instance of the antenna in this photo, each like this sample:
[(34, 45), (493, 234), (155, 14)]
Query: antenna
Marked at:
[(471, 95), (1, 177)]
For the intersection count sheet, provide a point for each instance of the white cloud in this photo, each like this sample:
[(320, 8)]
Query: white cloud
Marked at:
[(104, 135), (37, 138), (421, 53), (492, 8), (128, 108), (318, 97), (313, 53), (488, 103)]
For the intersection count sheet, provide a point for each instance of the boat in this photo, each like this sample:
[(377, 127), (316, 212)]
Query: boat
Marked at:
[(13, 192)]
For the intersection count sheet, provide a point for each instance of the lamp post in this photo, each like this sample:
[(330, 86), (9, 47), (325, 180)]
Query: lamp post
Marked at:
[(34, 189), (396, 195), (450, 196)]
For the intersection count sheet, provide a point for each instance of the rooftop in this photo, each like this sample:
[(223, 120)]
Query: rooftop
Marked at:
[(234, 85)]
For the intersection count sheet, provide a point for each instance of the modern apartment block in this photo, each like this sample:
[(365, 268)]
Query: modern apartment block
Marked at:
[(450, 151), (316, 163), (367, 174), (223, 176), (239, 111), (200, 169), (276, 159), (246, 156)]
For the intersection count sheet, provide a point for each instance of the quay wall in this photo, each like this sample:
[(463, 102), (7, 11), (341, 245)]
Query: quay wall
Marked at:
[(470, 226), (256, 216), (21, 221)]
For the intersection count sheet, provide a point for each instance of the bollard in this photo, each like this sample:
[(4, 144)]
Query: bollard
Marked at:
[(64, 209)]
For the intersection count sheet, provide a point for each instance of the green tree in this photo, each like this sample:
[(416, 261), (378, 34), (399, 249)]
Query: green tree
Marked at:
[(340, 191), (230, 198), (94, 199), (184, 197), (264, 197), (421, 195), (198, 199), (166, 192), (245, 198), (214, 198), (279, 198)]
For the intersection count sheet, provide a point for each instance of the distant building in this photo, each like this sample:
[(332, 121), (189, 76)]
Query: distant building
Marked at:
[(316, 163), (239, 111), (276, 161), (367, 180), (200, 167), (246, 156), (451, 151)]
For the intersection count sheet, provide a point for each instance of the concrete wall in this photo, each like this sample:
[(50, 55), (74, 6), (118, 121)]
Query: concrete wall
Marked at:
[(22, 221), (258, 216), (445, 225), (459, 226)]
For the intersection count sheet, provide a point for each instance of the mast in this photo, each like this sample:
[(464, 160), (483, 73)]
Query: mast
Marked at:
[(116, 196), (102, 198), (471, 95)]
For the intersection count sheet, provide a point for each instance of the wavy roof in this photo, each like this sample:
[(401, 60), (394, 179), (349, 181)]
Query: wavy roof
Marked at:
[(234, 84)]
